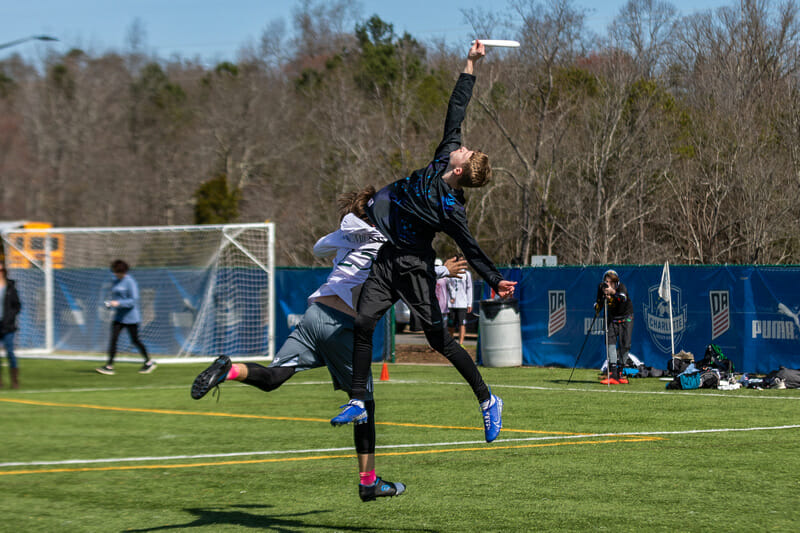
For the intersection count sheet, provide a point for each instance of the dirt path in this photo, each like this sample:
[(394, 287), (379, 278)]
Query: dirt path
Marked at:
[(413, 348)]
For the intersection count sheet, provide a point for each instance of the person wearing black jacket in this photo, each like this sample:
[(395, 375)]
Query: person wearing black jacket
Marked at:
[(409, 213), (9, 309), (619, 324)]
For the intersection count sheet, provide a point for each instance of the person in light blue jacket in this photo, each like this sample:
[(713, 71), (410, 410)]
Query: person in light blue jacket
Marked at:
[(125, 303)]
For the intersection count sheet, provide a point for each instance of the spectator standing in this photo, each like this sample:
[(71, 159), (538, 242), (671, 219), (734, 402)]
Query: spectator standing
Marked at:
[(9, 309), (127, 315), (459, 291)]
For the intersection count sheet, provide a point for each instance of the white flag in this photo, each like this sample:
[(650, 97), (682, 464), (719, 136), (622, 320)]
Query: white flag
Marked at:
[(665, 287)]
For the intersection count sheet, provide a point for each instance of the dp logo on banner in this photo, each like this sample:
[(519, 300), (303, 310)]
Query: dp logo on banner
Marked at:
[(720, 304), (557, 316)]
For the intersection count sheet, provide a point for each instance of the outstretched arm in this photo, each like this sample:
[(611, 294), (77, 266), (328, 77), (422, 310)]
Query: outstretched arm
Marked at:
[(505, 289), (476, 52), (457, 106)]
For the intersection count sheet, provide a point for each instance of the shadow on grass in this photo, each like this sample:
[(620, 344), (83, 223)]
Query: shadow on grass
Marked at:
[(574, 382), (233, 516)]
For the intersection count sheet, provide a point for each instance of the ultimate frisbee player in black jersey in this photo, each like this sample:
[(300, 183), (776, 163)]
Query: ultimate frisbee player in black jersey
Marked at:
[(409, 213)]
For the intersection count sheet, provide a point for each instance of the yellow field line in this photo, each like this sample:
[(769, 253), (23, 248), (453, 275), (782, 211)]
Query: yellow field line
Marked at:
[(318, 457), (256, 417)]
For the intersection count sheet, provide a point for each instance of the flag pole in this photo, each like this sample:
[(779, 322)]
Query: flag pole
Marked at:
[(671, 331), (665, 292)]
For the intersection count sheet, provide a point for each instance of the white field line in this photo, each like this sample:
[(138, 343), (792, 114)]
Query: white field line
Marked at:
[(99, 389), (390, 446), (605, 390), (608, 390)]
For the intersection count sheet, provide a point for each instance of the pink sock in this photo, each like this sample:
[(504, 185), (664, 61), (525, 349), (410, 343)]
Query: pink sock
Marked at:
[(233, 373), (368, 478)]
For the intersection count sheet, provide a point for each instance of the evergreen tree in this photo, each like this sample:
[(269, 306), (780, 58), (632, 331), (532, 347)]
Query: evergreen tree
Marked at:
[(215, 202)]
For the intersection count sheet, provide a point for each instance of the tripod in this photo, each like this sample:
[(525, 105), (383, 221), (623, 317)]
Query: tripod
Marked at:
[(605, 340), (586, 338)]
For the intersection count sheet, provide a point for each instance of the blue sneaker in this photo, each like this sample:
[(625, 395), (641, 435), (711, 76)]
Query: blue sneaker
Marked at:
[(211, 376), (492, 417), (354, 412), (379, 489)]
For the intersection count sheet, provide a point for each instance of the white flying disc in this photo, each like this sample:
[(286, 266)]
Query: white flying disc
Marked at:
[(499, 43)]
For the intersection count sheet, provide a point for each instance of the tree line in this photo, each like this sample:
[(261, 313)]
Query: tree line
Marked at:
[(667, 137)]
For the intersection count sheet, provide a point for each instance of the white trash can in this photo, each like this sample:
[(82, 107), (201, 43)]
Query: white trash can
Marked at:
[(501, 336)]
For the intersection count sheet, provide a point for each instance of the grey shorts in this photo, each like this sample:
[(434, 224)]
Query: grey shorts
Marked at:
[(324, 337)]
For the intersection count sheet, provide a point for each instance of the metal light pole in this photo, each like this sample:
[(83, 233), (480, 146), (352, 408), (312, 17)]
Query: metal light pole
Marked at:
[(26, 39)]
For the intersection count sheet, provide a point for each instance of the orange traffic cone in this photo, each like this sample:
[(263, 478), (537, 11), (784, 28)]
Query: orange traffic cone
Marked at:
[(385, 372)]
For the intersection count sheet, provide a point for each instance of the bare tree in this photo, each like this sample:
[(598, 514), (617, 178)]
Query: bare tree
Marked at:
[(644, 28), (734, 63), (527, 106), (664, 139)]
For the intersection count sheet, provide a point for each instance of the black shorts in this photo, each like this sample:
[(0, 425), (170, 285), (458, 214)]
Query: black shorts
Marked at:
[(458, 316), (400, 275)]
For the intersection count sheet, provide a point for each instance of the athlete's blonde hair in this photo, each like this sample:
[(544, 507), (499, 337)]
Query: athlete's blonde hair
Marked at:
[(477, 171)]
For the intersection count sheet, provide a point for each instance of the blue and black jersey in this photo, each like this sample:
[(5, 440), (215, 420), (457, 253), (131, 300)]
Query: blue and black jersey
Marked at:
[(410, 211)]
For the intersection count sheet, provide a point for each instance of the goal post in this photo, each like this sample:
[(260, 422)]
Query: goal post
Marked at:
[(204, 290)]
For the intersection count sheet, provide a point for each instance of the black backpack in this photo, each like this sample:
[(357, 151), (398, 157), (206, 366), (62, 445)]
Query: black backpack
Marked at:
[(676, 365), (714, 358)]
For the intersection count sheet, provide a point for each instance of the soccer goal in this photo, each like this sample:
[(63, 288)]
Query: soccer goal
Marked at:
[(204, 290)]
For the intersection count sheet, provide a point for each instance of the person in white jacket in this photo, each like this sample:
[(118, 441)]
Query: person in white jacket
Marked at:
[(324, 336)]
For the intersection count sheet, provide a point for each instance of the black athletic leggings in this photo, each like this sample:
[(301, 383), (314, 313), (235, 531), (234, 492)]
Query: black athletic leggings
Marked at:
[(270, 378), (133, 331), (394, 275)]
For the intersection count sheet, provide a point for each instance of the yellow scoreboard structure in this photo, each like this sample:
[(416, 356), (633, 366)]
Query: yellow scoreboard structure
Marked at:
[(22, 248)]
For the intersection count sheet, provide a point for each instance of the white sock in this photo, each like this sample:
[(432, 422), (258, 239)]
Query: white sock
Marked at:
[(488, 403)]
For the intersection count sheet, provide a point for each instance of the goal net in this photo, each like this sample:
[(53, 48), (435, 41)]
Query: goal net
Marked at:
[(204, 290)]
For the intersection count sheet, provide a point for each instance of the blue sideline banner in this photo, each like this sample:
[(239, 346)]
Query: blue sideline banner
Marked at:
[(751, 312), (293, 286)]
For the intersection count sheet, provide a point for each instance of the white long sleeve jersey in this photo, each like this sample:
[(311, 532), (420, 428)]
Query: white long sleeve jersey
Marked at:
[(356, 245)]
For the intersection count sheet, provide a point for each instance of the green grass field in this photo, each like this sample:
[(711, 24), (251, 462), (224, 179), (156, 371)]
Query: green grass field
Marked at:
[(130, 452)]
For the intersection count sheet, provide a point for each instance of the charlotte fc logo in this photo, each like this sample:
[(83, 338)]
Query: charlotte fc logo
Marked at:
[(656, 315)]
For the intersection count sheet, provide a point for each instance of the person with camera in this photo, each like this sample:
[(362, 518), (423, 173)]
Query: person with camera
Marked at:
[(613, 295)]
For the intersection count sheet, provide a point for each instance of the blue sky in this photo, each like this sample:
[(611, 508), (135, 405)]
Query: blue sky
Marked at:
[(214, 30)]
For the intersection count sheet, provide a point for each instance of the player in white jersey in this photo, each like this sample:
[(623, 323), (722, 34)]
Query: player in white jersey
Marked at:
[(324, 336)]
